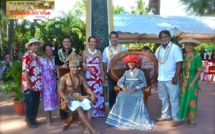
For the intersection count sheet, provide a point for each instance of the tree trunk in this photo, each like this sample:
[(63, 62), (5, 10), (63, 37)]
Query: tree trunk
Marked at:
[(11, 38), (1, 43), (154, 7)]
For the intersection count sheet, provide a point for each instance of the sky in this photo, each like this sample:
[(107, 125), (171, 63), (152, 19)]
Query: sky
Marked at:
[(174, 10)]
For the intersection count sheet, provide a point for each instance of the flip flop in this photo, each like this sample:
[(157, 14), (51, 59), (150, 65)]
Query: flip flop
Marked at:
[(186, 123), (191, 125)]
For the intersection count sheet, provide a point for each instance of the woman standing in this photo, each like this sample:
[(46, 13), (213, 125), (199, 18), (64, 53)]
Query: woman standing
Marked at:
[(129, 110), (92, 67), (191, 70), (49, 84)]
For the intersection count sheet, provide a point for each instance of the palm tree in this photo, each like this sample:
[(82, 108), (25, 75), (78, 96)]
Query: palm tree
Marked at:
[(73, 26), (119, 10), (3, 30), (199, 7), (140, 9), (154, 6), (10, 36)]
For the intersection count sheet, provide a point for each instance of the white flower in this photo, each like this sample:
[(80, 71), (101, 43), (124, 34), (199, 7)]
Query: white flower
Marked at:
[(33, 78), (37, 70)]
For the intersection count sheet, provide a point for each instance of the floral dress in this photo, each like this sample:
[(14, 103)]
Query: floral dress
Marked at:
[(189, 97), (129, 110), (49, 84), (93, 77)]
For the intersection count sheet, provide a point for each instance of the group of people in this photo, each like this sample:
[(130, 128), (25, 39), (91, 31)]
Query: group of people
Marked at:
[(207, 55), (179, 99)]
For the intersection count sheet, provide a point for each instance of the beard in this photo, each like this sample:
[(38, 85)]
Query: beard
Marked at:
[(165, 42)]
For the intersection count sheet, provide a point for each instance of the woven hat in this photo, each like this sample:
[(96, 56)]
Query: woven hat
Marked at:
[(189, 40), (74, 60), (33, 40)]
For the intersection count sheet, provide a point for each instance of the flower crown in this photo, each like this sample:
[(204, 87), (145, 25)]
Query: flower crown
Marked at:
[(131, 58)]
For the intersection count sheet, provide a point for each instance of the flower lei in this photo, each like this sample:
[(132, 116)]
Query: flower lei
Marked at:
[(62, 55), (110, 51), (163, 60), (187, 63)]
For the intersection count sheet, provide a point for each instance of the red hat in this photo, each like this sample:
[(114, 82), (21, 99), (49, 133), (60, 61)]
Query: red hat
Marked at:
[(131, 58)]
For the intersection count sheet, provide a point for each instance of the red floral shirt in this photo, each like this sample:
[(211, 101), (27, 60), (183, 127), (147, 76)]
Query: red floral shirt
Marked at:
[(31, 64)]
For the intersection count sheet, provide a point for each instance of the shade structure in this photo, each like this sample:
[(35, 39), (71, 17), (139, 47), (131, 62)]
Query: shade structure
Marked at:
[(146, 28)]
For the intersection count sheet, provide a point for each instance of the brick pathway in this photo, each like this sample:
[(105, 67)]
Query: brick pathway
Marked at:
[(11, 123)]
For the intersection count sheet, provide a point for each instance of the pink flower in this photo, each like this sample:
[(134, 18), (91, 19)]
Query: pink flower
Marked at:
[(53, 48)]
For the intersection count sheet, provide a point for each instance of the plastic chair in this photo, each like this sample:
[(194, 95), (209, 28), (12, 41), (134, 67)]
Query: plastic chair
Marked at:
[(211, 71)]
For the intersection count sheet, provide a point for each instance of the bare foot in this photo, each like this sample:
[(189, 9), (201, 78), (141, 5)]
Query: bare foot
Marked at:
[(86, 131), (95, 132), (49, 121)]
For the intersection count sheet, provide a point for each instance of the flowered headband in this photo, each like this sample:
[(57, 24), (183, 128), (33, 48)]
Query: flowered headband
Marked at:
[(131, 58), (74, 60)]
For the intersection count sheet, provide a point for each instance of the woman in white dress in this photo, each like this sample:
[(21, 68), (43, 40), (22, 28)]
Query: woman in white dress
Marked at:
[(129, 110)]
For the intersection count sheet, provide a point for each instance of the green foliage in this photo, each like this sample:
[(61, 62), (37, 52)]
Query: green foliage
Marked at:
[(199, 7), (208, 47), (119, 10), (140, 9), (14, 85)]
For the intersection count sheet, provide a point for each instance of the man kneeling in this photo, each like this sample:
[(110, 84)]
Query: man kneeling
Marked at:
[(70, 90)]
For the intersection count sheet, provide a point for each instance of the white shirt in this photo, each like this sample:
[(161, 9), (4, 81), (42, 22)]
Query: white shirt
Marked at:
[(105, 57), (167, 70)]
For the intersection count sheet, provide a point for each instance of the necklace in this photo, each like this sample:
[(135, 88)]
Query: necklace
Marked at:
[(163, 60), (111, 53), (47, 60), (73, 86), (92, 53)]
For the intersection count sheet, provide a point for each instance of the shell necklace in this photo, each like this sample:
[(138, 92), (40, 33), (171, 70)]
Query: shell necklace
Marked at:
[(47, 60), (163, 60), (92, 53)]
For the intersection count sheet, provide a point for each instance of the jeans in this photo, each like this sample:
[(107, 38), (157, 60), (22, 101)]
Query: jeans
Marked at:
[(169, 95), (112, 94)]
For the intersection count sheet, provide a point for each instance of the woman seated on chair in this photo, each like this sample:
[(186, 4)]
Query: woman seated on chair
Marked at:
[(129, 110)]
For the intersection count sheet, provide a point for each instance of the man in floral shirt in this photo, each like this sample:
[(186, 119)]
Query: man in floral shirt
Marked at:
[(31, 81)]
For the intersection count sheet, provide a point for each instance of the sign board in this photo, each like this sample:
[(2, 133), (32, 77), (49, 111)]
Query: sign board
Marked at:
[(34, 9)]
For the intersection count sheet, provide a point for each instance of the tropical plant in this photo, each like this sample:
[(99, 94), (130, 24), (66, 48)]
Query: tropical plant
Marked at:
[(154, 6), (73, 26), (199, 7), (14, 85), (119, 10), (141, 8), (3, 24)]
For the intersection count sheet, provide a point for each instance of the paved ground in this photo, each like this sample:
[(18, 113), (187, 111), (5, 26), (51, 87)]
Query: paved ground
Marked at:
[(11, 123)]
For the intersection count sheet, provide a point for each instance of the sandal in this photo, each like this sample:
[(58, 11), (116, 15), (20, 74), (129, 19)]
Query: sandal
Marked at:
[(191, 125), (186, 123)]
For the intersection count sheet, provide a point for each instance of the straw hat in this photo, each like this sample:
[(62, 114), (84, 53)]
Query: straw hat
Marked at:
[(189, 40), (33, 40)]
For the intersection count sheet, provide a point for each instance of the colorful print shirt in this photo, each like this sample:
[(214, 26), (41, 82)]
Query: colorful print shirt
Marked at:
[(31, 64)]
